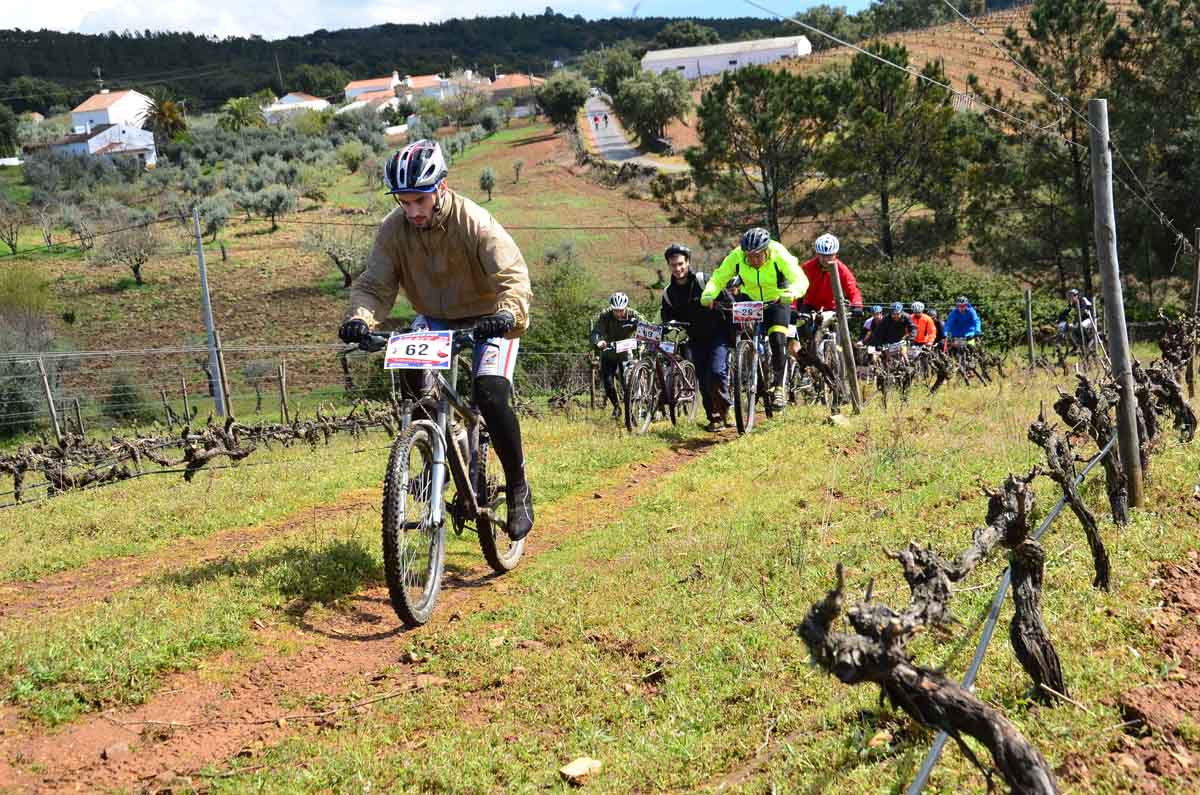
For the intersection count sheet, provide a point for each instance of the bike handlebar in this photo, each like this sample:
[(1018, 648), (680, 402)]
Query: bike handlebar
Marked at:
[(376, 341)]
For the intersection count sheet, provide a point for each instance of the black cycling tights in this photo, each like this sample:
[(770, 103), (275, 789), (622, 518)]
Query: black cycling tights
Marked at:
[(778, 342), (493, 397)]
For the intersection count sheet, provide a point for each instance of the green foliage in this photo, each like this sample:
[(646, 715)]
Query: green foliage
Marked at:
[(24, 302), (351, 155), (241, 112), (647, 102), (607, 68), (684, 33), (311, 122), (561, 97), (487, 181), (274, 201), (563, 298), (132, 247), (165, 116), (898, 149), (776, 123), (491, 119), (127, 403), (10, 142), (214, 214), (320, 80)]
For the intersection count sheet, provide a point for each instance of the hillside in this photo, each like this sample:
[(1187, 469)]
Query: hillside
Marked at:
[(207, 70)]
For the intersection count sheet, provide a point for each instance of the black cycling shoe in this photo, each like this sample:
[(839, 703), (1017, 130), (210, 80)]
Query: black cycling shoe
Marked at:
[(520, 510)]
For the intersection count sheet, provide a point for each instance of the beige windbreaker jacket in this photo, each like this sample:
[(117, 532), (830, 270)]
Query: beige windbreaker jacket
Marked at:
[(464, 266)]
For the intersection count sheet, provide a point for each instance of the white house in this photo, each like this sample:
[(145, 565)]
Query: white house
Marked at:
[(356, 87), (111, 107), (290, 103), (107, 140), (713, 59), (379, 101)]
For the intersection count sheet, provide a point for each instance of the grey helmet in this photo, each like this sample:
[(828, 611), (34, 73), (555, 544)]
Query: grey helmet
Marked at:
[(755, 239)]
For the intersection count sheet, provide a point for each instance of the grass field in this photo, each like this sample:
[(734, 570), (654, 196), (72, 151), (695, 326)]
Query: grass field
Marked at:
[(656, 638)]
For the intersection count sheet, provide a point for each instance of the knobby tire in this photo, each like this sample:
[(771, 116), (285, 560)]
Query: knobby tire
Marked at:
[(414, 552)]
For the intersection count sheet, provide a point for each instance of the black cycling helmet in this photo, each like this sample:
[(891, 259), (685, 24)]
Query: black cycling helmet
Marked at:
[(677, 248), (755, 239)]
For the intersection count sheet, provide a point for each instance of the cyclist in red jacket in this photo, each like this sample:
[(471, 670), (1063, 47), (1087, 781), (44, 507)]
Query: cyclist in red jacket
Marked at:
[(819, 270)]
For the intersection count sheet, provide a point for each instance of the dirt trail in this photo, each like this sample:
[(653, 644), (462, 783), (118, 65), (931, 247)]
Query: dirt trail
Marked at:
[(194, 720), (103, 578)]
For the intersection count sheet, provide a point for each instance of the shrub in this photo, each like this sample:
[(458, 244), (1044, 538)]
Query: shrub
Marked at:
[(126, 402), (487, 181), (274, 201), (491, 120), (351, 154), (214, 214)]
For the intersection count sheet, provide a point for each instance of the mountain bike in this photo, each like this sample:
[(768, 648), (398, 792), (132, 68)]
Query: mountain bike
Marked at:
[(892, 369), (751, 364), (449, 434), (663, 379)]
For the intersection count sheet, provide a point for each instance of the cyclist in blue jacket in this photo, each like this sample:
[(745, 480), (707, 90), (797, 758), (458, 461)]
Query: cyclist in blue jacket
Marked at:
[(963, 321)]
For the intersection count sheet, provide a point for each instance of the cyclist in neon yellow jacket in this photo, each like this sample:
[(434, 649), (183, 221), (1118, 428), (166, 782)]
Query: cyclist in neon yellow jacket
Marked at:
[(766, 272)]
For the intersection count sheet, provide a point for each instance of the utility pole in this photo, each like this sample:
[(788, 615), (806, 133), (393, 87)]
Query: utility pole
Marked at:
[(99, 79), (214, 367), (279, 74), (1114, 306)]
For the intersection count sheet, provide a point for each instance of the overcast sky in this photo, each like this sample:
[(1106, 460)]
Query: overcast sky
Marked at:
[(277, 19)]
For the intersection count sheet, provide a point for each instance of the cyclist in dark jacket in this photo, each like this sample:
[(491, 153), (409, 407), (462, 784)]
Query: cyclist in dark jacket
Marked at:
[(894, 327), (618, 322), (708, 332)]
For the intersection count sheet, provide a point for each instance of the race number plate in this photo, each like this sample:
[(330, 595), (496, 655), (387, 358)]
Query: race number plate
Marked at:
[(625, 346), (419, 350), (667, 347), (747, 311), (792, 333), (649, 333)]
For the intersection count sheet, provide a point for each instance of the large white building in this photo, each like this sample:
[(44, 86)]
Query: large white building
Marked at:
[(109, 140), (713, 59), (110, 107)]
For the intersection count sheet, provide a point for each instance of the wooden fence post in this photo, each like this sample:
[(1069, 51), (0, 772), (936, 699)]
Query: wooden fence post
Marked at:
[(283, 400), (187, 408), (1029, 325), (79, 418), (50, 401), (170, 415), (1191, 368), (222, 380)]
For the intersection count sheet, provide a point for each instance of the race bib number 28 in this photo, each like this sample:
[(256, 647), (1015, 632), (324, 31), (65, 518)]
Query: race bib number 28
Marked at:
[(419, 350), (747, 311)]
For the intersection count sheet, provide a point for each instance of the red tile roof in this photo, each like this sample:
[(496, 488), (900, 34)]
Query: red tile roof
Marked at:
[(512, 82), (374, 83), (101, 101), (424, 81)]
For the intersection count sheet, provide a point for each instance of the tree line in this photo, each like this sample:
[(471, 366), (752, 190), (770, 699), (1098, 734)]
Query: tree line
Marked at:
[(902, 175)]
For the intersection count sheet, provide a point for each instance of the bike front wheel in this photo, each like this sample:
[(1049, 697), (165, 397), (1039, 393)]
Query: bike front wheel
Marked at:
[(685, 393), (641, 398), (500, 551), (414, 550), (745, 384)]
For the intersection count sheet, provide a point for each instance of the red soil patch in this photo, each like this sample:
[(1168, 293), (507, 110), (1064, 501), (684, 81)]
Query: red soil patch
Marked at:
[(1161, 747), (195, 721)]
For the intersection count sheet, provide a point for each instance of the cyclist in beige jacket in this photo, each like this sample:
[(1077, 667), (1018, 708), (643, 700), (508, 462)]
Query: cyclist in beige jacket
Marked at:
[(459, 269)]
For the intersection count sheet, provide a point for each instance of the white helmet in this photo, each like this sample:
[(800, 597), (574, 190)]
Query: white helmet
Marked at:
[(618, 301), (417, 168), (918, 307), (826, 244)]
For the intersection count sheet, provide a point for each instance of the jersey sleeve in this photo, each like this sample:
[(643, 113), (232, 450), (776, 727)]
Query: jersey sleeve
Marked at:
[(720, 277), (850, 285)]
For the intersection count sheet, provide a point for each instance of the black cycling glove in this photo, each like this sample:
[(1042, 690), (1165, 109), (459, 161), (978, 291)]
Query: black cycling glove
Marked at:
[(496, 325), (354, 331)]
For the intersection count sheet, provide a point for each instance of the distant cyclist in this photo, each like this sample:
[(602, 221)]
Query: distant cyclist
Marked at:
[(820, 296), (895, 327), (963, 322), (869, 323), (941, 330), (1077, 322), (769, 273), (925, 328), (617, 322)]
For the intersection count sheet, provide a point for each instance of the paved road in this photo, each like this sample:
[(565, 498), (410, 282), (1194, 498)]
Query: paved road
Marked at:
[(611, 140)]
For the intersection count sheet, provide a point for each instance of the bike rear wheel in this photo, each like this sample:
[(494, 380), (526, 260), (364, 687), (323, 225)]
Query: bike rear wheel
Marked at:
[(745, 384), (501, 552), (685, 392), (414, 551), (833, 360), (641, 397)]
